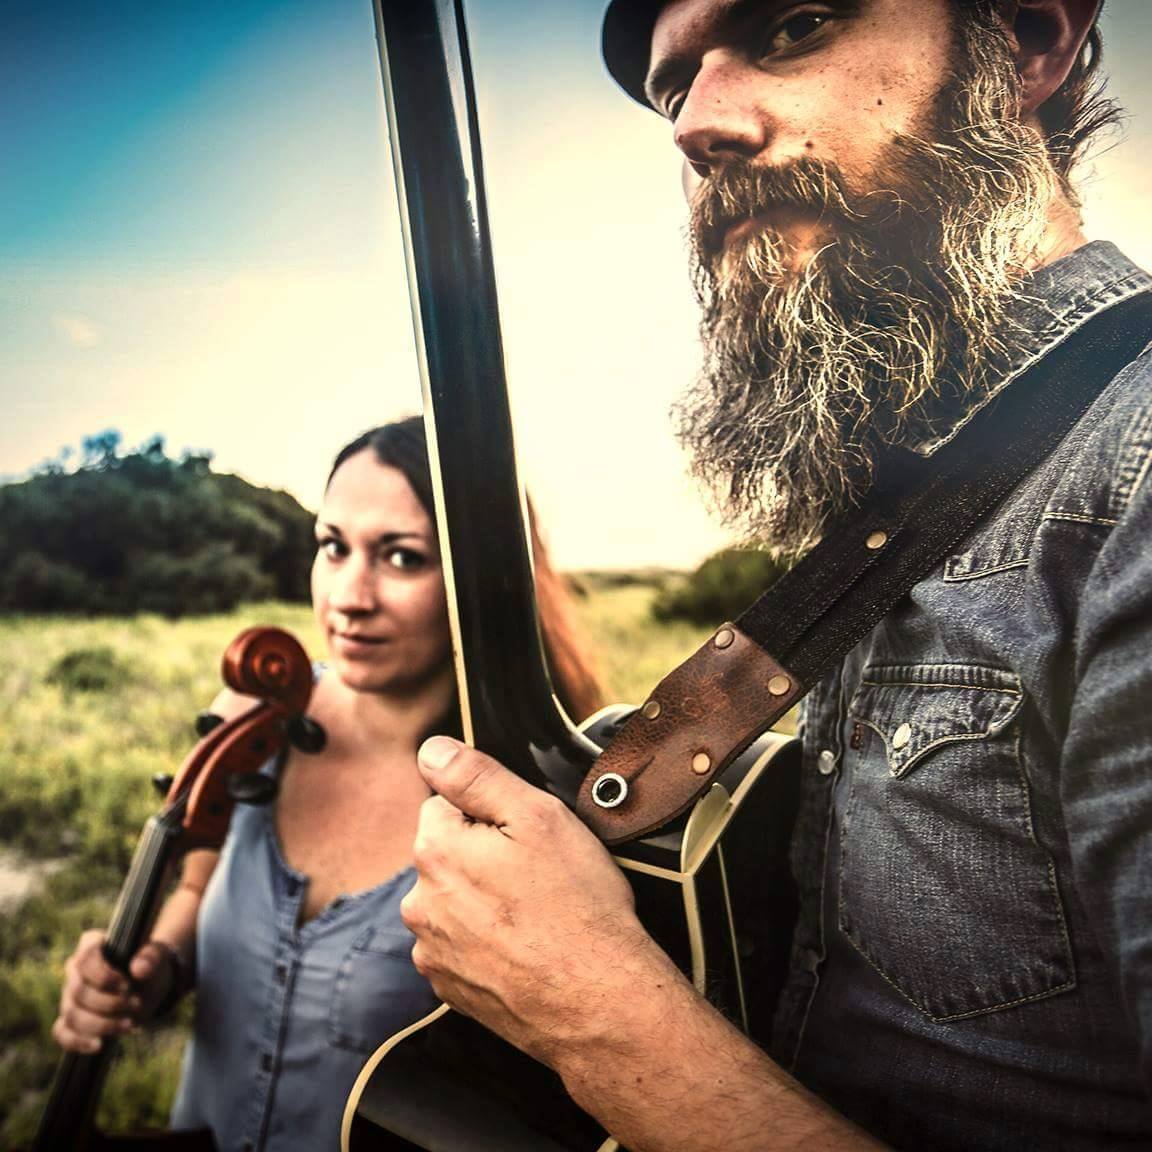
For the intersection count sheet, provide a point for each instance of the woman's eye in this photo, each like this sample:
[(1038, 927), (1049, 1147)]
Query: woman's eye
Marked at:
[(331, 547), (406, 559), (790, 32)]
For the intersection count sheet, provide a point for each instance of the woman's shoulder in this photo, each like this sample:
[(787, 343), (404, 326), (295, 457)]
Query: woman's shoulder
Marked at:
[(229, 704)]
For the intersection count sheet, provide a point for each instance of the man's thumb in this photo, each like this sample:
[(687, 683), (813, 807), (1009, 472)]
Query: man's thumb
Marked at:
[(472, 782)]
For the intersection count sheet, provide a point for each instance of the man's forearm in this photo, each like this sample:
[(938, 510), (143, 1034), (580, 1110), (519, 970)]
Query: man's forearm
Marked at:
[(675, 1076)]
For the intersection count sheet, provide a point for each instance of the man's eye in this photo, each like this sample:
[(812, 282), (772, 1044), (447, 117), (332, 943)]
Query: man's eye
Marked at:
[(406, 559), (790, 32)]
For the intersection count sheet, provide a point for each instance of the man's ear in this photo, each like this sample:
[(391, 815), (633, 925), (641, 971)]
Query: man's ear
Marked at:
[(1049, 36)]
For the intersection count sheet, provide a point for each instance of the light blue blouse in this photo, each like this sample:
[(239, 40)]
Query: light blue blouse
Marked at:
[(286, 1014)]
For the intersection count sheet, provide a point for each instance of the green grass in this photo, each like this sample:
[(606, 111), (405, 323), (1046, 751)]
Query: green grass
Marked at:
[(92, 709)]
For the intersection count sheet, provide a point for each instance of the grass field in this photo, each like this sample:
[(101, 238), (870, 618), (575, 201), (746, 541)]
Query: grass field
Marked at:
[(91, 710)]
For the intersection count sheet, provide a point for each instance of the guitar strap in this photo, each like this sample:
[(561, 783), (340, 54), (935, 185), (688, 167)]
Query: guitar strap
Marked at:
[(749, 673)]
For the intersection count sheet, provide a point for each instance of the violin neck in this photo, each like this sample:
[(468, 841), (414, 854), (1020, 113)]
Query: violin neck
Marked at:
[(66, 1121), (140, 894), (68, 1115)]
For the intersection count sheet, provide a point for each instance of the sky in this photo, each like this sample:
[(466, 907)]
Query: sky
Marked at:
[(199, 239)]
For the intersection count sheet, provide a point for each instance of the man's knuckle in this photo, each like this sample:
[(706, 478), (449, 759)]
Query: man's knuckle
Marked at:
[(545, 811), (412, 914)]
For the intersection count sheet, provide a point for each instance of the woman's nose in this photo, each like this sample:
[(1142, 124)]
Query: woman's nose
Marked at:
[(353, 588)]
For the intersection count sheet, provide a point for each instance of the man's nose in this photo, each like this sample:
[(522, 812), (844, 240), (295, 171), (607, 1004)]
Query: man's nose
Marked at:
[(721, 116)]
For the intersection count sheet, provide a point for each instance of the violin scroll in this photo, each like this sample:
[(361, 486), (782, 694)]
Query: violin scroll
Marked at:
[(269, 663)]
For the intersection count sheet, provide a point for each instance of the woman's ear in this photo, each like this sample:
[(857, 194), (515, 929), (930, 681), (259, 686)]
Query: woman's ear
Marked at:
[(1048, 36)]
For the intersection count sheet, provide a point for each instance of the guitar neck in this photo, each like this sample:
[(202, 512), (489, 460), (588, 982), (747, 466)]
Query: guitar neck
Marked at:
[(505, 692)]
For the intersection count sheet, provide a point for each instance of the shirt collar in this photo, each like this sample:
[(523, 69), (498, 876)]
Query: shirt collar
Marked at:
[(1055, 302)]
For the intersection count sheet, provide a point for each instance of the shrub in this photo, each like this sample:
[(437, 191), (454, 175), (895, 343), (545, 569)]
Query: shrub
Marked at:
[(143, 533), (89, 670), (720, 589)]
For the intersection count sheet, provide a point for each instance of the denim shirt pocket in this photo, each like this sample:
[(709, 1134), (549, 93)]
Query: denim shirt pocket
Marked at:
[(943, 886), (377, 992)]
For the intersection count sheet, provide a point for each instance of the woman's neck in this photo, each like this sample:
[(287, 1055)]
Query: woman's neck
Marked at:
[(388, 723)]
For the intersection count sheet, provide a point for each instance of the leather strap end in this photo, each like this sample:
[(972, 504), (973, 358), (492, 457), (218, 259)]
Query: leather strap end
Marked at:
[(700, 717)]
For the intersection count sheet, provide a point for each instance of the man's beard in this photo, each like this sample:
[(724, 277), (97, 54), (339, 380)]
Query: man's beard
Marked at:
[(813, 365)]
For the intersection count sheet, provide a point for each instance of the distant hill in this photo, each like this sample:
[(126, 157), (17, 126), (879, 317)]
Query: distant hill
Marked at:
[(142, 532)]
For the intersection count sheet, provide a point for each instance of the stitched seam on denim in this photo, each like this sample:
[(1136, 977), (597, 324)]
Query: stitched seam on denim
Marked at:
[(1127, 486), (950, 578), (965, 667), (908, 764), (1026, 783), (829, 824), (1063, 326), (1076, 518), (1007, 1004), (935, 684), (336, 1035), (958, 1015)]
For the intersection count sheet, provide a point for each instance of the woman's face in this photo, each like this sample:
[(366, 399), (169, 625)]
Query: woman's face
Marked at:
[(377, 586)]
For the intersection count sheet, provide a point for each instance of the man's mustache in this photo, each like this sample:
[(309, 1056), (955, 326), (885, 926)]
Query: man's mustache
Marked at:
[(741, 190)]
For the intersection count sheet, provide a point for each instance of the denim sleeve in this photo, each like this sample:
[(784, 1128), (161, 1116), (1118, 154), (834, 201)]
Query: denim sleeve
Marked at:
[(1107, 763)]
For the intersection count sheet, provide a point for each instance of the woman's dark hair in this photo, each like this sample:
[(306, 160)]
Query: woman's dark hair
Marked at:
[(402, 445)]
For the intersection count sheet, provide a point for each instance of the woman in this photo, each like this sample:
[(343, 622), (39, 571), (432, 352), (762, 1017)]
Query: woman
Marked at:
[(303, 965)]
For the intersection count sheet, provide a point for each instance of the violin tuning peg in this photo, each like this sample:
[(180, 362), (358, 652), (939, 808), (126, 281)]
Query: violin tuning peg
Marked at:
[(206, 721), (252, 788), (162, 782), (306, 734)]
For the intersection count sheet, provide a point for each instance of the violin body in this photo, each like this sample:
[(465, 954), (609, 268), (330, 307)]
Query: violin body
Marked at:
[(264, 662)]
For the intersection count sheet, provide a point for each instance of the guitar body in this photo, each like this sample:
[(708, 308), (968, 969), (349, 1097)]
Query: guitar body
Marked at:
[(713, 889)]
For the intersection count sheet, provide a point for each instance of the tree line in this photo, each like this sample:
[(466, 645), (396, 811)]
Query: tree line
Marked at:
[(139, 531)]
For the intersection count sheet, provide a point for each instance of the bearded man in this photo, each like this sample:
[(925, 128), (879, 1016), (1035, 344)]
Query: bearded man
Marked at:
[(886, 237)]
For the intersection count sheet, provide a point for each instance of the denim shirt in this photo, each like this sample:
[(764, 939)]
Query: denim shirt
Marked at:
[(972, 965), (288, 1013)]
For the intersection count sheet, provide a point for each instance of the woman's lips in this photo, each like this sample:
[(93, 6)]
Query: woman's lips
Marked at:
[(352, 644)]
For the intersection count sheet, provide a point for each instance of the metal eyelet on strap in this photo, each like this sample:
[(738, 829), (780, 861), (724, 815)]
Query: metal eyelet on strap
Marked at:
[(610, 791)]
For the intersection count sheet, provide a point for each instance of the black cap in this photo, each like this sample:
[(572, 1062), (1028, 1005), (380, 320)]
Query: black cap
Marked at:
[(626, 42)]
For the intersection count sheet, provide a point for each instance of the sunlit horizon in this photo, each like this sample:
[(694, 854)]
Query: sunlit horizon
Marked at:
[(199, 240)]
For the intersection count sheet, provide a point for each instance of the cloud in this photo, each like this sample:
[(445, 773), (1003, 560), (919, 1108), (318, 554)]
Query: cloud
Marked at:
[(80, 331)]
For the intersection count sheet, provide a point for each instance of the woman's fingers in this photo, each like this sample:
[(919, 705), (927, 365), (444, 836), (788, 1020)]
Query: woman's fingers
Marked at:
[(95, 1000), (78, 1030)]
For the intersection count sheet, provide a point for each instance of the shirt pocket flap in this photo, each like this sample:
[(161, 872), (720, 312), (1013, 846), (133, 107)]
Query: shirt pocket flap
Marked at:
[(915, 709)]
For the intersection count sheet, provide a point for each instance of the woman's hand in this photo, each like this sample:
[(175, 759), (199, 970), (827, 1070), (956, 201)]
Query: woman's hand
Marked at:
[(98, 1001)]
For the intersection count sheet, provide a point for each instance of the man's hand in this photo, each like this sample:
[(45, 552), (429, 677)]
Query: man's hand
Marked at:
[(523, 921)]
